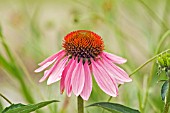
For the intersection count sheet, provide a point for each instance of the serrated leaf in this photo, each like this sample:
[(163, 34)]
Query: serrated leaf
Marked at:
[(20, 108), (114, 107), (164, 90)]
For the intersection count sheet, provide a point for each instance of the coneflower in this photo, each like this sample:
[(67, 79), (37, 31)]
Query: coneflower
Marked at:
[(81, 57)]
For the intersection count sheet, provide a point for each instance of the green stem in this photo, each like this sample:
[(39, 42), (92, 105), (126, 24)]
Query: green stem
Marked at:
[(167, 103), (5, 98), (151, 59), (157, 50), (163, 38), (80, 104), (141, 66), (14, 68), (7, 50)]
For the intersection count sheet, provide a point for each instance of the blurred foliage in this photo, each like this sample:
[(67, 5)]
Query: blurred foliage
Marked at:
[(34, 29)]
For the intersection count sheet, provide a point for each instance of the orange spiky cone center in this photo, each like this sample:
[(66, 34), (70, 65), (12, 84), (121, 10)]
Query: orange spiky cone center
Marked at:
[(83, 44)]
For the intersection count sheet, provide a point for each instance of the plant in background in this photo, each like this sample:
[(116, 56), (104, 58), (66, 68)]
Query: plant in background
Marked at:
[(17, 72), (164, 65), (83, 55)]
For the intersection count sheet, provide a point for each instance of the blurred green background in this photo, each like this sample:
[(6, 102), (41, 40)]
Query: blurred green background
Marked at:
[(34, 29)]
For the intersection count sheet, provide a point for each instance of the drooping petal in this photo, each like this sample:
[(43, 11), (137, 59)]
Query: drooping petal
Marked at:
[(114, 58), (115, 71), (57, 71), (53, 57), (47, 62), (45, 76), (109, 74), (103, 80), (63, 76), (78, 78), (48, 72), (85, 94), (119, 82), (68, 77), (44, 66), (120, 71)]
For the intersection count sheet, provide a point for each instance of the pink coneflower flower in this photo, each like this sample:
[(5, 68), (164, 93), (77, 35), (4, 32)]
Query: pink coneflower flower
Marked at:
[(83, 56)]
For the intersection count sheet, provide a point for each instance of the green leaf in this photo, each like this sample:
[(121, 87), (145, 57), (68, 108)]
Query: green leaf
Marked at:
[(164, 90), (20, 108), (113, 107), (12, 106)]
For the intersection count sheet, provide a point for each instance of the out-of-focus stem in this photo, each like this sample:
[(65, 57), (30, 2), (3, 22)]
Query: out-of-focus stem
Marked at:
[(16, 71), (65, 105), (154, 15)]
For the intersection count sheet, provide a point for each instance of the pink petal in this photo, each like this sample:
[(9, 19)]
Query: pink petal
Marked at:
[(44, 66), (48, 72), (116, 71), (120, 71), (85, 94), (103, 80), (119, 82), (57, 71), (78, 78), (114, 58), (63, 76), (106, 70), (53, 57), (45, 76), (68, 77), (113, 77)]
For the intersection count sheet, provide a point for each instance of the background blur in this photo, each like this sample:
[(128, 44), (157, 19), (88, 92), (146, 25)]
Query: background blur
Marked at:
[(34, 30)]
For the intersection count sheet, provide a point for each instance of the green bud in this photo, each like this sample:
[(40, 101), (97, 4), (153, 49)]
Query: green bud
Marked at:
[(164, 63), (161, 61)]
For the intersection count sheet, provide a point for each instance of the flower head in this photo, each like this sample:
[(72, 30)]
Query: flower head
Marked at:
[(81, 57)]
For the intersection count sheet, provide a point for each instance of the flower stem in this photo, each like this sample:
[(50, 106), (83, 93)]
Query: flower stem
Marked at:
[(148, 61), (80, 104), (5, 98), (142, 65), (167, 102), (163, 38)]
